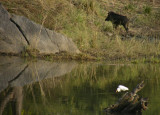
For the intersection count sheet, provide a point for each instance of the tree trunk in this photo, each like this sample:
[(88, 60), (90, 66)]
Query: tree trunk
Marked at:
[(130, 102)]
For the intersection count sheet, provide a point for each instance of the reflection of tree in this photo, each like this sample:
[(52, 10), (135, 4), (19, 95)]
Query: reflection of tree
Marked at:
[(16, 96)]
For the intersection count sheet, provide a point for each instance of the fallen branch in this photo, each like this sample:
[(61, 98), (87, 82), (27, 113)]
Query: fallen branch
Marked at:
[(130, 102)]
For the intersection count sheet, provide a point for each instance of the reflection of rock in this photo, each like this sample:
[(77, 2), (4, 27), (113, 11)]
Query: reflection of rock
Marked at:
[(14, 72), (18, 33), (39, 70), (10, 68), (14, 95)]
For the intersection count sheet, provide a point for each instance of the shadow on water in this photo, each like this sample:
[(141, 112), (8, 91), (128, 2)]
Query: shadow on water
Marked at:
[(71, 88)]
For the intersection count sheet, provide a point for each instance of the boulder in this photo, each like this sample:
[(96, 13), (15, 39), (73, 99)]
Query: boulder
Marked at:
[(36, 35), (18, 33), (11, 39), (63, 43)]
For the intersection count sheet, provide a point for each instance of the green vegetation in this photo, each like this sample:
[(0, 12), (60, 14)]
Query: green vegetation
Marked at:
[(84, 22), (147, 9)]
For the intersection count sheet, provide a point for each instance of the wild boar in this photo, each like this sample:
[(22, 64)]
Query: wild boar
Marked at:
[(117, 20)]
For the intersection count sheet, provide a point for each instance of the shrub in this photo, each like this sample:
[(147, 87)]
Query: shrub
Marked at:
[(147, 9)]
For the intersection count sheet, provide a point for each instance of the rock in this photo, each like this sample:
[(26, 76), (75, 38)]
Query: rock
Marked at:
[(36, 35), (64, 44), (18, 33), (11, 39)]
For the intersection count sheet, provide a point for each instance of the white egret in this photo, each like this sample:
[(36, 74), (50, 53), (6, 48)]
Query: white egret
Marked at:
[(121, 88)]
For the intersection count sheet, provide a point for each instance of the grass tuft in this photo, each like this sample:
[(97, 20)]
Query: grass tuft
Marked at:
[(147, 9)]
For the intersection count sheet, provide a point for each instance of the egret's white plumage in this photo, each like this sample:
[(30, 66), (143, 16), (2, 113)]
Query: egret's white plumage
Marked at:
[(121, 88)]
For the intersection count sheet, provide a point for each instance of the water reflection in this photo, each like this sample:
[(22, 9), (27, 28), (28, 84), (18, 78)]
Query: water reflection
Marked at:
[(70, 88), (138, 113), (15, 97), (15, 71)]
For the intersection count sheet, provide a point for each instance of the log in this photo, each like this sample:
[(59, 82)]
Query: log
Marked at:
[(130, 102)]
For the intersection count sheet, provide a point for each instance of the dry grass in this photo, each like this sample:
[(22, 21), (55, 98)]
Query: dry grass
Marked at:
[(83, 21)]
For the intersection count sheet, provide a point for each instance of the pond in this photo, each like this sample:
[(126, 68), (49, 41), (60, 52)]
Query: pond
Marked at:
[(41, 87)]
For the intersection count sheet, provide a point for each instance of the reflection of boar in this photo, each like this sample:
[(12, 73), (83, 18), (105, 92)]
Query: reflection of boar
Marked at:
[(117, 19)]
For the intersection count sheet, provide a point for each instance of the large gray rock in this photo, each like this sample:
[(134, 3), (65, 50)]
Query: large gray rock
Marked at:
[(18, 33), (64, 44), (11, 39), (36, 35)]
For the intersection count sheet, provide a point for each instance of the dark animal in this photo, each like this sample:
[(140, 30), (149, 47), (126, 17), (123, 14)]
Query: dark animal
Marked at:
[(117, 19)]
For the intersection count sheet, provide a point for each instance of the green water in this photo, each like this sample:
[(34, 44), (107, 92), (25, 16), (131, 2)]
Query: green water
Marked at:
[(86, 90)]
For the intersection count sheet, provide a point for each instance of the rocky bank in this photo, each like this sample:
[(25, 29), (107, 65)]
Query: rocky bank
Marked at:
[(17, 33)]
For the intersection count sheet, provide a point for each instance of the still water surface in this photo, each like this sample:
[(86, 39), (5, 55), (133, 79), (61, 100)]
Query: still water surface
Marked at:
[(71, 88)]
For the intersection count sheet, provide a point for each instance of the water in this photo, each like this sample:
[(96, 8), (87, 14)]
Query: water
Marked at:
[(71, 88)]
